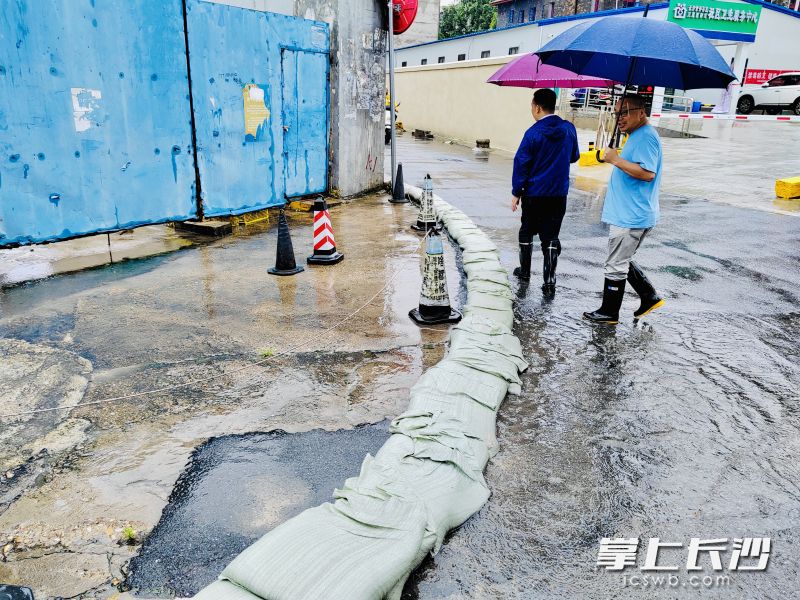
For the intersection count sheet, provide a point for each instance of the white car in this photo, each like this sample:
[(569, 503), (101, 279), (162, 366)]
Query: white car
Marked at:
[(776, 95)]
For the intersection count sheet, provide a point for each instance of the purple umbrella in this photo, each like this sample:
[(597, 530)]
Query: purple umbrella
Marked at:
[(528, 71)]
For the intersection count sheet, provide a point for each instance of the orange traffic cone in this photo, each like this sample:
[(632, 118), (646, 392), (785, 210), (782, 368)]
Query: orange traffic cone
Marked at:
[(324, 244)]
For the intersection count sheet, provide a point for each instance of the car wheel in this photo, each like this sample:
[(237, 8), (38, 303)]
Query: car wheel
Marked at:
[(774, 110), (796, 107), (745, 105)]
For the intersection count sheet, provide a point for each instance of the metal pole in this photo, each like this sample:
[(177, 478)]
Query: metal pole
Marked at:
[(391, 90)]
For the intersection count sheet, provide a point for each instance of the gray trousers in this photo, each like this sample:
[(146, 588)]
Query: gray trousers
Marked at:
[(622, 245)]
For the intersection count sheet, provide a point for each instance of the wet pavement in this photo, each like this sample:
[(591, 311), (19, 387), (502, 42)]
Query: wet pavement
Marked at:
[(76, 485), (684, 425), (237, 488)]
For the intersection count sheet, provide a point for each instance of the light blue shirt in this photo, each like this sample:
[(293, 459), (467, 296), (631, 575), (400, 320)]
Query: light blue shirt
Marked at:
[(630, 202)]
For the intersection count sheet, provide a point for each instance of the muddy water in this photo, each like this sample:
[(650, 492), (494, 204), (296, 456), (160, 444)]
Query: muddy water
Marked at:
[(683, 425)]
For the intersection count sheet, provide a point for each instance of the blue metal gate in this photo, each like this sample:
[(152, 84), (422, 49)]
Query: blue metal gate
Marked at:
[(240, 102), (94, 128), (96, 125), (304, 104)]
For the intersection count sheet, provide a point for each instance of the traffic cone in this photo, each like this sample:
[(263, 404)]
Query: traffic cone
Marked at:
[(426, 219), (284, 261), (434, 301), (399, 191), (324, 245)]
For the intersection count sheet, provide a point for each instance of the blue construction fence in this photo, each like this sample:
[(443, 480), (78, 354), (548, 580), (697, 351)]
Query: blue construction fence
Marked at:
[(120, 114)]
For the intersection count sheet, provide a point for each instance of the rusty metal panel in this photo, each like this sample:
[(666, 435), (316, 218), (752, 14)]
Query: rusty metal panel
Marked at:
[(235, 64), (95, 130)]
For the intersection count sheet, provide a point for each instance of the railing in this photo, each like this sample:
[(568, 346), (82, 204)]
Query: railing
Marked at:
[(593, 100)]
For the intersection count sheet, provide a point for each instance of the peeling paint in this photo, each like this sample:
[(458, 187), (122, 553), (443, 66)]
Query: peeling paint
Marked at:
[(256, 113), (85, 103)]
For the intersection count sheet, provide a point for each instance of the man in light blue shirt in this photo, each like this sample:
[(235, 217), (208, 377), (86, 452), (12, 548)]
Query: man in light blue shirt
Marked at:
[(631, 210)]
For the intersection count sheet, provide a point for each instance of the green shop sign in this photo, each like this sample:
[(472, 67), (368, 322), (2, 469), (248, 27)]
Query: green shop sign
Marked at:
[(710, 16)]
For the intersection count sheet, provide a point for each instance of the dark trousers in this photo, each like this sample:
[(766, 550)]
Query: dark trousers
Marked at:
[(542, 216)]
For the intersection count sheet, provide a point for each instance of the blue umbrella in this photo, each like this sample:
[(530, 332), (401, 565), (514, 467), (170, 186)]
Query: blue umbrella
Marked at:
[(640, 51)]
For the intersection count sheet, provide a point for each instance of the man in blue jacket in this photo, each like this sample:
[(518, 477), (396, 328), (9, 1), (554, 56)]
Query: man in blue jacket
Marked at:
[(540, 182), (631, 211)]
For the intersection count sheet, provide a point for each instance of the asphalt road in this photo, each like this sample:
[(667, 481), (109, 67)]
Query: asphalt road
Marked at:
[(682, 426)]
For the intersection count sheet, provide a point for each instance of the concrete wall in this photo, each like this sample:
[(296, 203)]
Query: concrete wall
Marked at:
[(358, 61), (425, 27), (455, 101)]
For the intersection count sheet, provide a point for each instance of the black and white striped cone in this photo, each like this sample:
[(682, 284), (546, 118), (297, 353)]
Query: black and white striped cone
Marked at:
[(426, 219), (434, 301), (324, 243), (284, 261)]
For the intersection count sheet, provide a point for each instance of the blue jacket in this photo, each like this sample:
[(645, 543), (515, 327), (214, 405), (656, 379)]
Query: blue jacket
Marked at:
[(541, 165)]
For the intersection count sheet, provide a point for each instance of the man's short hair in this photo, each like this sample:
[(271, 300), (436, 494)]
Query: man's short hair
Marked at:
[(633, 101), (545, 99)]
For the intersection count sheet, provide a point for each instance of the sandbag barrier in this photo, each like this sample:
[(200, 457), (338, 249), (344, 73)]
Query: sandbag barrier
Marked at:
[(425, 480)]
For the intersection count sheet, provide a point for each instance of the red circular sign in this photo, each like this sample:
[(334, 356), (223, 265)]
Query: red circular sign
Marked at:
[(404, 13)]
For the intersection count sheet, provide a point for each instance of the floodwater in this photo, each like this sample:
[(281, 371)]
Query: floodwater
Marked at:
[(684, 425)]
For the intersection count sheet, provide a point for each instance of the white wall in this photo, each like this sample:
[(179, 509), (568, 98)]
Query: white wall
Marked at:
[(283, 7), (425, 27), (777, 44)]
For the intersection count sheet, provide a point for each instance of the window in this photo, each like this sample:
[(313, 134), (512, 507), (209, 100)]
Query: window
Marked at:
[(440, 59), (404, 63), (424, 61), (551, 9), (777, 82), (511, 16), (532, 14), (485, 54), (522, 15), (462, 57), (513, 50)]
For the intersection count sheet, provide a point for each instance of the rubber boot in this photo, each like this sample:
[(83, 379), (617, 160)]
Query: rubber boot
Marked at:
[(648, 294), (523, 271), (612, 300), (550, 251)]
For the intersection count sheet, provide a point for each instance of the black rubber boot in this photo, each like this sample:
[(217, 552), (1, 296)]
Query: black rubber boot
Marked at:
[(550, 250), (523, 271), (648, 294), (612, 300)]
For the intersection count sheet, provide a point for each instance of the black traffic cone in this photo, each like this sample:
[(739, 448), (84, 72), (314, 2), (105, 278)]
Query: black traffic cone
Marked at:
[(434, 301), (399, 190), (284, 261), (426, 218), (324, 243)]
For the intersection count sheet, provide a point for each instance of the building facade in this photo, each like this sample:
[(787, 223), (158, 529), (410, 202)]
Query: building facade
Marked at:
[(518, 12)]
